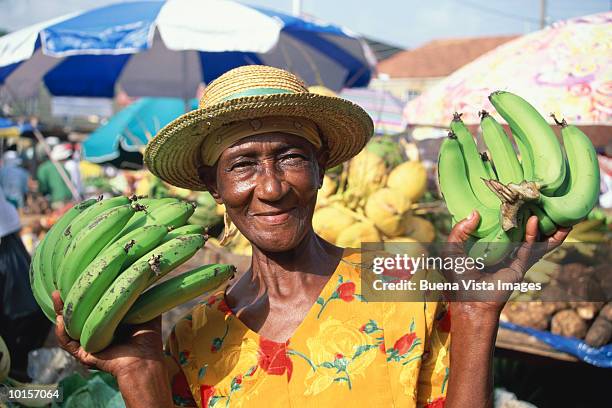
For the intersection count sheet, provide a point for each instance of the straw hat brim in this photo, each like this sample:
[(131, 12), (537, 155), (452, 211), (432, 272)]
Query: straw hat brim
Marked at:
[(174, 153)]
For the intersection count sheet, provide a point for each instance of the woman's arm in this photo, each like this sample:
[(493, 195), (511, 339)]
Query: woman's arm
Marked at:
[(474, 324), (146, 385), (473, 332)]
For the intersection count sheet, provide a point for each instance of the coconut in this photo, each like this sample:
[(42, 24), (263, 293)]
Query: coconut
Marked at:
[(387, 149), (420, 229), (354, 235), (5, 361), (409, 178), (367, 173), (328, 222), (388, 210)]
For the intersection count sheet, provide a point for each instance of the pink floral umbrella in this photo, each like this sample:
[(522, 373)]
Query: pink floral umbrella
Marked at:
[(565, 69)]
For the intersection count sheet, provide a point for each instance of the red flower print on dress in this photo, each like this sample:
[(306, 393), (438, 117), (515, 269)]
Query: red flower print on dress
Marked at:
[(206, 393), (437, 403), (346, 291), (274, 359), (402, 348), (223, 307), (404, 343)]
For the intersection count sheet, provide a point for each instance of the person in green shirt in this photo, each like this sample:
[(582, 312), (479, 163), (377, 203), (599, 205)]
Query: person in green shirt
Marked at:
[(50, 182)]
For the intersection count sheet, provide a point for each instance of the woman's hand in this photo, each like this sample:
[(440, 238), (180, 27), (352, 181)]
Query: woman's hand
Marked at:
[(137, 362), (511, 271), (142, 346)]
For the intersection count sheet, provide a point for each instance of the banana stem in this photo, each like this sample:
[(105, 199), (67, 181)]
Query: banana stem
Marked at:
[(513, 196)]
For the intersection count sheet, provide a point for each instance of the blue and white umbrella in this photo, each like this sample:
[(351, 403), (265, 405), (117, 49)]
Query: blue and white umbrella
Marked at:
[(168, 48)]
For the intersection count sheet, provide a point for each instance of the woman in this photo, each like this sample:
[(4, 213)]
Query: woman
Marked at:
[(294, 330)]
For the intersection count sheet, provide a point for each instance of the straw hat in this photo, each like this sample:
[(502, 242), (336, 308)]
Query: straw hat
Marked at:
[(246, 93)]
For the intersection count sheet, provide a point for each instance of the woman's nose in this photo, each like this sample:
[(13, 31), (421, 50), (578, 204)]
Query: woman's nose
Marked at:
[(271, 185)]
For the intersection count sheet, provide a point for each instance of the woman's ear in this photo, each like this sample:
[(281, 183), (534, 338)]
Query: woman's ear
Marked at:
[(208, 176)]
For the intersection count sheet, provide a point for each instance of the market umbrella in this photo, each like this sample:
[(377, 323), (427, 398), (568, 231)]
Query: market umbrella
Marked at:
[(384, 108), (167, 48), (120, 141), (564, 69)]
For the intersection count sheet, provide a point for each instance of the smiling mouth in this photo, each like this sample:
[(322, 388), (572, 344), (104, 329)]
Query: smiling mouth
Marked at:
[(274, 217)]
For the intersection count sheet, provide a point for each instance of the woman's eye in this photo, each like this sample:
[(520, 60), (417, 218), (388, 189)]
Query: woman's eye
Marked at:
[(293, 156), (242, 165)]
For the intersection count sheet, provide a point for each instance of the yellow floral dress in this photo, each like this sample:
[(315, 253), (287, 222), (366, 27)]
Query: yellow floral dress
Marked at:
[(368, 354)]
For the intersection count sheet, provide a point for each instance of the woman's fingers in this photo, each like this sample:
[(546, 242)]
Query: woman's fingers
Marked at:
[(461, 232), (71, 346), (531, 230), (558, 237), (524, 254), (58, 305)]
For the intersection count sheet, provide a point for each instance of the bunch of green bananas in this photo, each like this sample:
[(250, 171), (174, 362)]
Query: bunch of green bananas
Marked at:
[(103, 254), (558, 185)]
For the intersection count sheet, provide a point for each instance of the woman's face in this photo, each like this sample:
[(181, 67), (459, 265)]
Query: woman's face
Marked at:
[(269, 184)]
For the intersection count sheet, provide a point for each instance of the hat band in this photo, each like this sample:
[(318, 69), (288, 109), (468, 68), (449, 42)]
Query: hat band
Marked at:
[(257, 92), (215, 143)]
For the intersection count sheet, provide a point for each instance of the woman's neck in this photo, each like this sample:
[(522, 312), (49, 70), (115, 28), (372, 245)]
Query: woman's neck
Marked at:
[(280, 274)]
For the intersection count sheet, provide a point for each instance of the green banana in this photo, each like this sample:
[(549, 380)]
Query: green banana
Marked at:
[(526, 158), (536, 135), (173, 214), (180, 289), (488, 166), (90, 285), (38, 290), (173, 253), (145, 239), (583, 189), (185, 230), (545, 225), (115, 302), (72, 230), (119, 297), (99, 274), (88, 242), (496, 246), (41, 269), (565, 185), (456, 190), (150, 204), (507, 166), (476, 170)]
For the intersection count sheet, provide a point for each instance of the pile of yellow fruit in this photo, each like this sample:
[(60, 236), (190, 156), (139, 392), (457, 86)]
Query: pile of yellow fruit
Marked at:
[(371, 199)]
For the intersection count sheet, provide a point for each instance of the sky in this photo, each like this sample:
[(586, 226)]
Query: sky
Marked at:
[(404, 23)]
